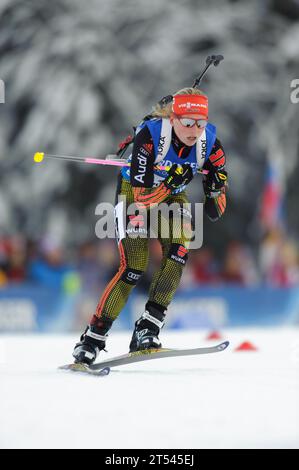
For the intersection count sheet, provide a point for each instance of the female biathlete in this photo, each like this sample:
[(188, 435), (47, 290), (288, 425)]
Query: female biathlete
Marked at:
[(179, 136)]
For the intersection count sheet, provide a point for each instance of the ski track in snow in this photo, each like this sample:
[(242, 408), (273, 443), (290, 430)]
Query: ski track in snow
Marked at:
[(223, 400)]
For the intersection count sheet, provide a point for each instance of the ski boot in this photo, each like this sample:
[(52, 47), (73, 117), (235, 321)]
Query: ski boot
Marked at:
[(147, 329), (92, 341)]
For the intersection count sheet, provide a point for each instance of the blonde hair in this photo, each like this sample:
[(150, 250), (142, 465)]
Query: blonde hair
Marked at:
[(165, 111)]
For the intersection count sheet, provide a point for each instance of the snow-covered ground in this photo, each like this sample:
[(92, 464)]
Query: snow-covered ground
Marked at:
[(225, 400)]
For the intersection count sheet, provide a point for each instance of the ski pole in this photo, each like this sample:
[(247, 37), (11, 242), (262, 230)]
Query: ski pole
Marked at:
[(109, 159), (211, 59)]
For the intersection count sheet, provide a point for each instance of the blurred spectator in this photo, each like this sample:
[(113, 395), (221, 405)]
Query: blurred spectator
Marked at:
[(12, 260), (287, 272), (16, 269), (239, 266), (97, 262), (50, 268), (93, 263), (204, 266), (3, 262), (108, 257), (269, 252), (89, 267), (279, 260)]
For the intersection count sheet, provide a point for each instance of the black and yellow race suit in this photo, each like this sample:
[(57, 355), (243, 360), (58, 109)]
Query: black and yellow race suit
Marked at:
[(134, 250)]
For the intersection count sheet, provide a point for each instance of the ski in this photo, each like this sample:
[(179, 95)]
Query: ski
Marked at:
[(85, 369), (139, 356)]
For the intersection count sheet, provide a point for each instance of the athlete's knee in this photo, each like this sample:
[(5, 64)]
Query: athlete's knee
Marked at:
[(132, 276), (178, 253)]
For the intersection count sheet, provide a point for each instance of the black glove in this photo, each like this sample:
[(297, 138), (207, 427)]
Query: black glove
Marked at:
[(215, 182), (178, 175)]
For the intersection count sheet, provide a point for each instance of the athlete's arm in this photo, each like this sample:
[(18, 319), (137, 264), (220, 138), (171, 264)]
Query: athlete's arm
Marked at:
[(215, 184), (143, 157), (142, 171)]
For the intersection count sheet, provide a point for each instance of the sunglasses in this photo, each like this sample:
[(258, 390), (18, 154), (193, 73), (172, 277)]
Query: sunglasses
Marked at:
[(188, 122)]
